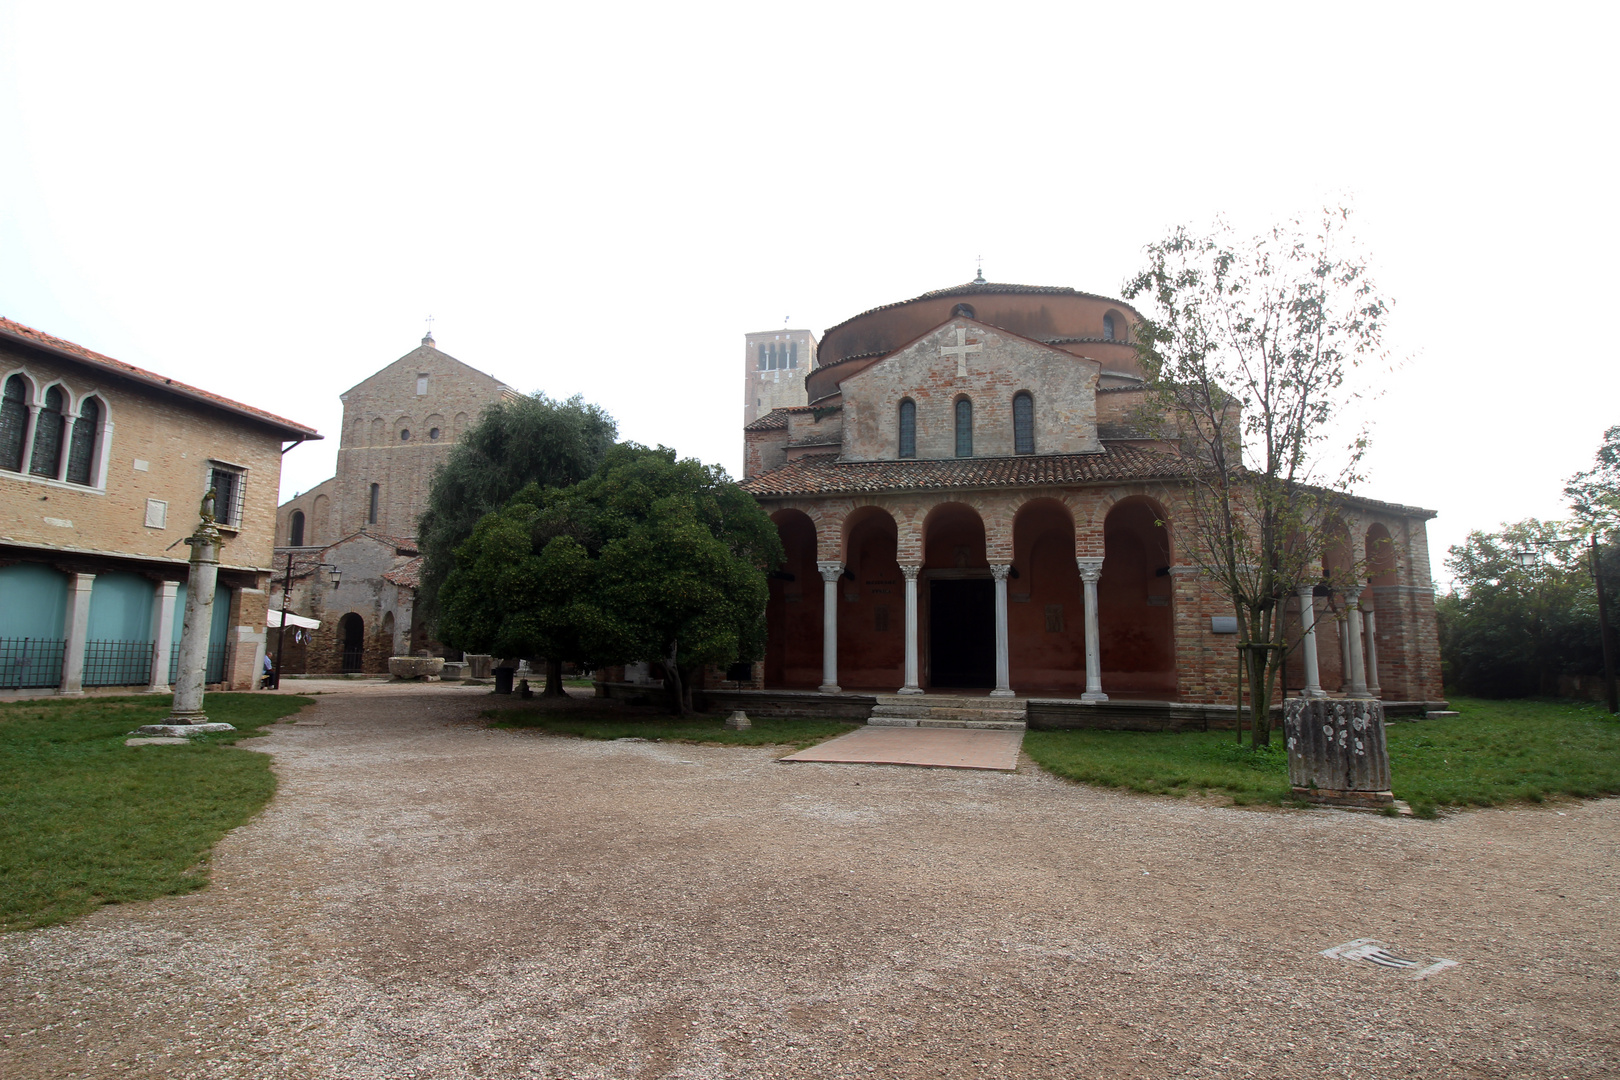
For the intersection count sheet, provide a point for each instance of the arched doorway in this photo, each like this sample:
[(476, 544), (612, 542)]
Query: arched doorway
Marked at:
[(1136, 622), (871, 604), (793, 610), (1046, 625), (352, 634), (960, 600)]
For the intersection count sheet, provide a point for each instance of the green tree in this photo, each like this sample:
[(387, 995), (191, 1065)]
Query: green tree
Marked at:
[(1508, 629), (515, 443), (1249, 349), (1594, 495), (650, 558)]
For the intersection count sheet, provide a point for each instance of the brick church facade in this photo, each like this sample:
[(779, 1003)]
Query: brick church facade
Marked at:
[(399, 425), (966, 505)]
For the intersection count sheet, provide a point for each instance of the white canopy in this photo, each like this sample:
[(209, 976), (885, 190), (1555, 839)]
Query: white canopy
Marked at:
[(273, 619)]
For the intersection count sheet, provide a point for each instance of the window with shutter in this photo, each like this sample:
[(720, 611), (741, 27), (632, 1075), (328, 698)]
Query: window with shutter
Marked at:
[(47, 455), (964, 427), (908, 428), (13, 423), (82, 454), (1023, 424)]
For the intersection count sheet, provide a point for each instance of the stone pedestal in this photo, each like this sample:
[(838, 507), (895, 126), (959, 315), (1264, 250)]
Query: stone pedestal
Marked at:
[(738, 721), (426, 668), (1336, 752), (481, 665)]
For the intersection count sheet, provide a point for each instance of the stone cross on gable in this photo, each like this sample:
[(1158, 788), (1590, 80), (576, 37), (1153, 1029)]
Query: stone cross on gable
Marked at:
[(960, 350)]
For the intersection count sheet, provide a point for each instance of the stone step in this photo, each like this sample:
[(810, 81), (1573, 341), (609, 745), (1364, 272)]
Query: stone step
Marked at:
[(1006, 724)]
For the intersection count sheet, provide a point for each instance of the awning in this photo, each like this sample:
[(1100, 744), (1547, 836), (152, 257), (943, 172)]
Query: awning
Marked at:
[(273, 619)]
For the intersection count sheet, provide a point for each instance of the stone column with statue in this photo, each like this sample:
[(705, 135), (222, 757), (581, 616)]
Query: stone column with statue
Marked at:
[(186, 716)]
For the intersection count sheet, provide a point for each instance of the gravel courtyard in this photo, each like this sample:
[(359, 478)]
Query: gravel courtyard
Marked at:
[(429, 898)]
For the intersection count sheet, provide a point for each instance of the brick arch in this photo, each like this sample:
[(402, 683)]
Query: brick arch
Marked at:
[(944, 520), (793, 609)]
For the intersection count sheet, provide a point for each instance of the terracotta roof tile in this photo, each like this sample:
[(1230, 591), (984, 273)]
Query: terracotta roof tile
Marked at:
[(826, 475), (409, 575), (775, 420), (13, 329)]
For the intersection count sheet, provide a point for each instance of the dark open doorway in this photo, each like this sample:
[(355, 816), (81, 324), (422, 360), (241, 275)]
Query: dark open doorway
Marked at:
[(962, 633), (353, 630)]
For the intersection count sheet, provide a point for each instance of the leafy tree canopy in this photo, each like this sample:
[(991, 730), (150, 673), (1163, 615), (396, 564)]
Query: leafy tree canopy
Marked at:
[(1249, 346), (649, 558), (1595, 494), (517, 442)]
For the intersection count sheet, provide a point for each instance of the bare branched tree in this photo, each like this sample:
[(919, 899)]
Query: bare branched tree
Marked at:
[(1249, 348)]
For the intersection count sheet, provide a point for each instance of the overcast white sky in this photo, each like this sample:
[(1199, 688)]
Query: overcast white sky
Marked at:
[(267, 200)]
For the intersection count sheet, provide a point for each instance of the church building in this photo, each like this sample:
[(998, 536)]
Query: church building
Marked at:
[(967, 506), (399, 425)]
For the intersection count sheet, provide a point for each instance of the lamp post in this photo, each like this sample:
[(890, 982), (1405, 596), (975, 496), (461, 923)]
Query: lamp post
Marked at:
[(336, 576)]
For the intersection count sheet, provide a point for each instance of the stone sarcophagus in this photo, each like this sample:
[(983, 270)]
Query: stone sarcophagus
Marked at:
[(1336, 751), (426, 668)]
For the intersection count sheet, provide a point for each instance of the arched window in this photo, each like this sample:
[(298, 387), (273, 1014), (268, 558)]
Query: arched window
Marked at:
[(762, 356), (908, 428), (1108, 328), (793, 355), (371, 517), (964, 427), (295, 531), (82, 454), (47, 456), (405, 434), (13, 423), (1023, 423)]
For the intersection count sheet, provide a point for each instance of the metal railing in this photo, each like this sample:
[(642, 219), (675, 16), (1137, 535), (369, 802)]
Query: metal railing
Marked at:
[(215, 671), (31, 663), (117, 663)]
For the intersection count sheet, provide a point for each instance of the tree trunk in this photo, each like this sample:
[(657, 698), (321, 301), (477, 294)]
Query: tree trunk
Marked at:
[(676, 683), (554, 682), (1258, 657)]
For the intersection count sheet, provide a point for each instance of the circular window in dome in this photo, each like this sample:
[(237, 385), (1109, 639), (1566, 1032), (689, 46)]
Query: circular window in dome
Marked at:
[(404, 434), (433, 433)]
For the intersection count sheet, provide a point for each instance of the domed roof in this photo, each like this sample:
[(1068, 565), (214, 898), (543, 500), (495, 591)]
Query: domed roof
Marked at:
[(1052, 314)]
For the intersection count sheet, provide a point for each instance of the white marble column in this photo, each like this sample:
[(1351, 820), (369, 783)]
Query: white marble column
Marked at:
[(911, 686), (77, 633), (1307, 623), (999, 571), (162, 634), (1373, 689), (1343, 624), (1358, 672), (1090, 571), (830, 572)]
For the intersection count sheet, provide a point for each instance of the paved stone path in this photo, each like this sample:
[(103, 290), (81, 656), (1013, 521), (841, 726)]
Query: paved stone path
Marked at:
[(428, 898), (946, 748)]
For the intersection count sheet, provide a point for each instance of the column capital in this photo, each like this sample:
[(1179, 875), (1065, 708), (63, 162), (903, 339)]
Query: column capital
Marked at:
[(1351, 603), (830, 571), (1090, 567), (1306, 592), (910, 572), (999, 571)]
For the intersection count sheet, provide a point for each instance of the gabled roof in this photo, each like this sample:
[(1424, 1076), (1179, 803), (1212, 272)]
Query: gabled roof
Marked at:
[(79, 354), (826, 475), (426, 349), (409, 575)]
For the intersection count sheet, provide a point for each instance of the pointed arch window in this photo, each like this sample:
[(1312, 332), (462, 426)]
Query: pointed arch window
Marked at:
[(1023, 423), (86, 433), (13, 423), (964, 427), (908, 428), (46, 459)]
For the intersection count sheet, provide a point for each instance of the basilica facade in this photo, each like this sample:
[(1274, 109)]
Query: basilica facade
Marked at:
[(968, 504)]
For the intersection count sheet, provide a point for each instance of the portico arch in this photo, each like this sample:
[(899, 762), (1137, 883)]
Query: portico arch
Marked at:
[(957, 617), (1045, 617), (871, 615), (1136, 621), (793, 612)]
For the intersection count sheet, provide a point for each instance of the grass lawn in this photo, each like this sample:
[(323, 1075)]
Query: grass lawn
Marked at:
[(597, 719), (90, 821), (1494, 752)]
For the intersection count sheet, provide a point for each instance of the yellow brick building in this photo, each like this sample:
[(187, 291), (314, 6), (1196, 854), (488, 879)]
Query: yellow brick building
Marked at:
[(103, 466)]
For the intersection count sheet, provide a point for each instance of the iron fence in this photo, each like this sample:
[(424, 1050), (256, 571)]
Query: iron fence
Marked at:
[(31, 663), (117, 663), (215, 672)]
